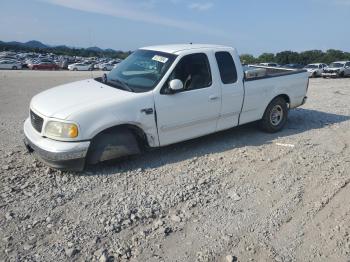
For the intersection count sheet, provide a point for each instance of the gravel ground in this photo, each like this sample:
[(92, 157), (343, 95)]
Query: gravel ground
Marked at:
[(238, 195)]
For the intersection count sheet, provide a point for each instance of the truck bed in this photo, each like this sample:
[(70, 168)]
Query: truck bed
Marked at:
[(256, 72)]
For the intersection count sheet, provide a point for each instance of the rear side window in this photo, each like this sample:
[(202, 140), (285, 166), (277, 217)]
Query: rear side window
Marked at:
[(227, 67)]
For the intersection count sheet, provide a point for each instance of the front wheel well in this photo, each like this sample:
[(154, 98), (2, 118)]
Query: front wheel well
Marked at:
[(115, 142), (133, 129)]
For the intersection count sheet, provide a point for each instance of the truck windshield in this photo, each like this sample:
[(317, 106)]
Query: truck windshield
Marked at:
[(141, 71)]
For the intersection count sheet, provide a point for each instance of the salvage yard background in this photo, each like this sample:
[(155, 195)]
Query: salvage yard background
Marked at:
[(239, 194)]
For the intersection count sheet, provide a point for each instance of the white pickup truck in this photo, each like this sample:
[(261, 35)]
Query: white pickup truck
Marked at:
[(158, 96)]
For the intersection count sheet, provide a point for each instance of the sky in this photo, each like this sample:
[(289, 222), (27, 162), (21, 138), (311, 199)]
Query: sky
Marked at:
[(252, 26)]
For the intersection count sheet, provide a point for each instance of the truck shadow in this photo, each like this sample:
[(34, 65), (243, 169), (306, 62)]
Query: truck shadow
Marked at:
[(300, 120)]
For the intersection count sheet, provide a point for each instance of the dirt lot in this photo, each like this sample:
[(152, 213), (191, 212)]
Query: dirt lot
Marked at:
[(239, 195)]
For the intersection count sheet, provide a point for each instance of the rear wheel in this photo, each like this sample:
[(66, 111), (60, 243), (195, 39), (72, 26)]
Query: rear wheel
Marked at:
[(275, 116), (14, 68)]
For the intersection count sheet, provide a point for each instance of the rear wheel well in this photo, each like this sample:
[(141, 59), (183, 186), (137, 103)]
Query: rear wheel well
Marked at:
[(285, 97)]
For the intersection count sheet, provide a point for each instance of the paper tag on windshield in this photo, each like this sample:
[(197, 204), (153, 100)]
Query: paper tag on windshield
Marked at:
[(159, 58)]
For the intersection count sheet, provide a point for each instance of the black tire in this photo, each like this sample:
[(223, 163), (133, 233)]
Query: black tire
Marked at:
[(275, 116), (341, 74), (75, 69), (112, 144), (104, 69), (14, 68)]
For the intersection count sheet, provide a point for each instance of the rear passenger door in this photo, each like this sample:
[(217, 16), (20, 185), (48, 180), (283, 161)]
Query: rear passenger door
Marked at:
[(232, 91)]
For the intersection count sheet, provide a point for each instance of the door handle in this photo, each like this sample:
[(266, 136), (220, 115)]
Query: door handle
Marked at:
[(213, 97), (147, 111)]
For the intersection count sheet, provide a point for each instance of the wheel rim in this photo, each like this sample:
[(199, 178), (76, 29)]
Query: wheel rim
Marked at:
[(276, 115)]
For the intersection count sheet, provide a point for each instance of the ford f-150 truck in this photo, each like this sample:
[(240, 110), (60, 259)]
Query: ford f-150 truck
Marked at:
[(158, 96)]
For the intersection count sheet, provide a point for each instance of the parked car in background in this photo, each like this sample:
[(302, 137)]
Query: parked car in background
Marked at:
[(80, 67), (293, 66), (270, 64), (315, 70), (108, 66), (43, 66), (337, 69), (10, 64)]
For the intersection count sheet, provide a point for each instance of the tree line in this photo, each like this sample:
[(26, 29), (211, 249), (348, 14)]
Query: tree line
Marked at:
[(282, 58), (66, 51), (303, 58)]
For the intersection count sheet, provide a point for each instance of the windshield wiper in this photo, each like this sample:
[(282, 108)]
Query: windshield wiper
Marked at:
[(124, 85)]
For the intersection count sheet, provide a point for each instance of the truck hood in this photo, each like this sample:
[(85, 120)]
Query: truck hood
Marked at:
[(62, 101)]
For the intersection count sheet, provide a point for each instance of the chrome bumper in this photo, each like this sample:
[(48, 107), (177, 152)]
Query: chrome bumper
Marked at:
[(57, 154), (329, 74)]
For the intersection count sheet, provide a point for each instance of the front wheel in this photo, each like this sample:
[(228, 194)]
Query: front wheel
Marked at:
[(275, 116), (14, 68), (341, 74)]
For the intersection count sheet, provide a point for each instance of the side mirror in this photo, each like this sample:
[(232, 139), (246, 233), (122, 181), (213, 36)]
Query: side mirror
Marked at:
[(104, 78), (176, 85)]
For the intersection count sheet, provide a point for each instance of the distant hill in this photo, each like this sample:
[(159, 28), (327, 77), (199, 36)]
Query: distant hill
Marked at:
[(37, 46), (95, 48)]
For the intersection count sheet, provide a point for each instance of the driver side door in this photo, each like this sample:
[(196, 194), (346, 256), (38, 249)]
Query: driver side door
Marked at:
[(194, 110)]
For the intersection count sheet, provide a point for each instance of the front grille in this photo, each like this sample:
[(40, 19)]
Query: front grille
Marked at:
[(37, 121)]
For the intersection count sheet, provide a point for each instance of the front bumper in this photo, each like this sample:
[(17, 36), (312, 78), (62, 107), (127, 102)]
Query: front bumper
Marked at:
[(330, 74), (57, 154)]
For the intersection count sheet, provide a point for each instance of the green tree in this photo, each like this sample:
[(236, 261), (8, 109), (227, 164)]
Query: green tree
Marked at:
[(288, 57), (266, 57), (248, 59)]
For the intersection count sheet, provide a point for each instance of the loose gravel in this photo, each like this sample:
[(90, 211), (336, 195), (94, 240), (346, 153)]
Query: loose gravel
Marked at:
[(238, 195)]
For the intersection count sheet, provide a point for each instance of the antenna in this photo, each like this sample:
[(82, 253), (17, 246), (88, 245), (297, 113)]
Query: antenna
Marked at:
[(90, 43)]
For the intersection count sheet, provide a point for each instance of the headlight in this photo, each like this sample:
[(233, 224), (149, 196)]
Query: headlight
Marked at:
[(55, 129)]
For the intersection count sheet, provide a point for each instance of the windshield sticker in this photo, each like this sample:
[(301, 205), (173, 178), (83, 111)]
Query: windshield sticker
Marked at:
[(161, 59)]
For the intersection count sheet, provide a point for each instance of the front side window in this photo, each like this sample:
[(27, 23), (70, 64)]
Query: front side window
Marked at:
[(141, 71), (227, 67), (193, 71)]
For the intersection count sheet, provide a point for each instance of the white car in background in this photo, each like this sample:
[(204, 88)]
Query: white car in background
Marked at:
[(315, 70), (270, 64), (10, 64), (108, 66), (337, 69), (80, 67)]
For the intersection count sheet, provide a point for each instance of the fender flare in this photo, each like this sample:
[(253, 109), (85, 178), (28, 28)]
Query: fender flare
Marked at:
[(115, 142)]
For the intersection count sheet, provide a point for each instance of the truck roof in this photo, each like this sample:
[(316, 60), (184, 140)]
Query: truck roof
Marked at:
[(177, 48)]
